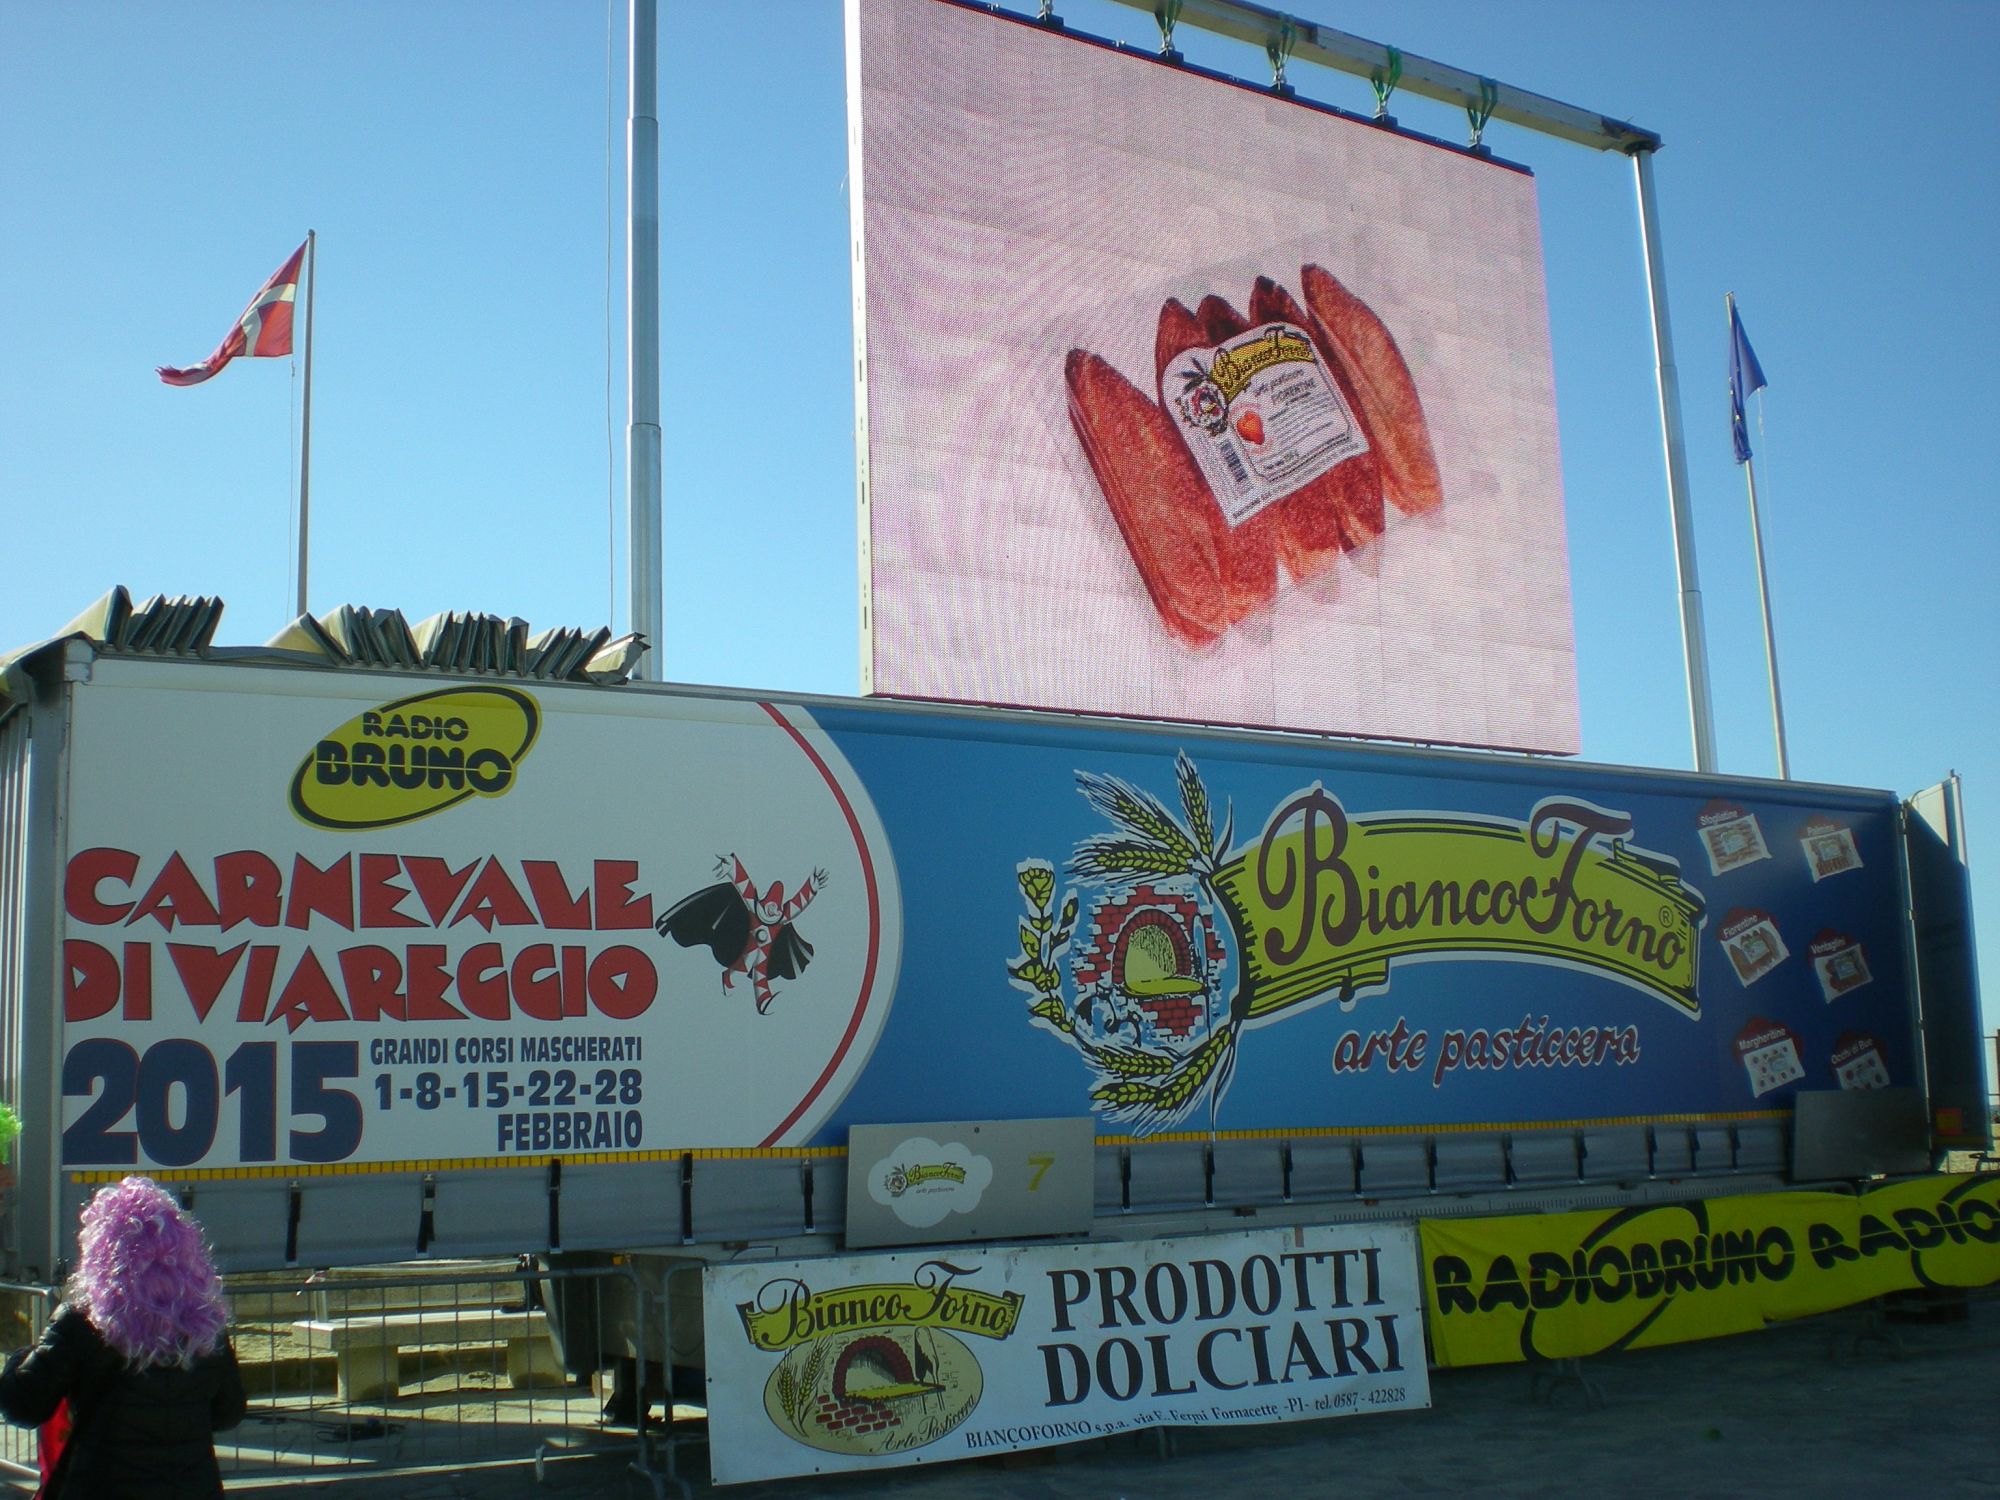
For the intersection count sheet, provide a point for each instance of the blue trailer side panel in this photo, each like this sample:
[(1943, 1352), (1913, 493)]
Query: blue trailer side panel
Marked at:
[(1787, 897)]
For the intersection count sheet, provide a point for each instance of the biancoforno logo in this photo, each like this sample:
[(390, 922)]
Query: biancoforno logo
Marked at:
[(416, 756)]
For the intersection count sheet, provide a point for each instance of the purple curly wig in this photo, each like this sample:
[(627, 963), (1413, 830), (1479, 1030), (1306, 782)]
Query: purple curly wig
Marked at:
[(144, 1277)]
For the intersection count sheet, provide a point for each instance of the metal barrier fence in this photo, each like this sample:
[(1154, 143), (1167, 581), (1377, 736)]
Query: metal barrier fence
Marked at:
[(1993, 1078), (394, 1370), (1992, 1151), (24, 1313)]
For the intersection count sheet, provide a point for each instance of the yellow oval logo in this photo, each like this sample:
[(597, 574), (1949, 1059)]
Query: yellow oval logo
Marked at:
[(416, 756)]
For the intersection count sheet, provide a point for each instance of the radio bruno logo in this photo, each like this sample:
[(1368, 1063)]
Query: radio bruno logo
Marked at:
[(416, 756)]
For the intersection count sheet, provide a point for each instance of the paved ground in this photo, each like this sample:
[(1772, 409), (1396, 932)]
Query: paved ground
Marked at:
[(1826, 1408)]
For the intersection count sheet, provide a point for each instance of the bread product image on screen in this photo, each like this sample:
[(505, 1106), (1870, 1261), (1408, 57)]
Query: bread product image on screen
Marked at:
[(1390, 410), (1156, 495), (1249, 549), (1219, 320), (1342, 509)]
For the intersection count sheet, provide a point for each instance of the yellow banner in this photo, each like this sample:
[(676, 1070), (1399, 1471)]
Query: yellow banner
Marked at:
[(1557, 1286), (1324, 902)]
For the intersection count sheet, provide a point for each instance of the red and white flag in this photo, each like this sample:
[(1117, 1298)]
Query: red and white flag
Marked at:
[(264, 330)]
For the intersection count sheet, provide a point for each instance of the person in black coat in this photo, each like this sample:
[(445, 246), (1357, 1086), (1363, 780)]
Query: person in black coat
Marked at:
[(137, 1349)]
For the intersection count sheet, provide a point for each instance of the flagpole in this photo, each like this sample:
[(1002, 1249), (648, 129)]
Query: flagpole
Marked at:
[(1694, 636), (306, 425), (1763, 587)]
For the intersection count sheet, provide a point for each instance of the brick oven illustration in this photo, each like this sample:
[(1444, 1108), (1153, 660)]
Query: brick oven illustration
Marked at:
[(872, 1374), (1150, 967)]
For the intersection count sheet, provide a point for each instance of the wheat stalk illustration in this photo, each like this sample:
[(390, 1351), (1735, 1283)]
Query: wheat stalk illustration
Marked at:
[(1152, 1102), (1140, 813), (1194, 802), (1121, 861), (808, 1385)]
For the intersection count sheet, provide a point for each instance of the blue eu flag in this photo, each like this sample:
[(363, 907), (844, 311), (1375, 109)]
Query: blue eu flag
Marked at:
[(1745, 376)]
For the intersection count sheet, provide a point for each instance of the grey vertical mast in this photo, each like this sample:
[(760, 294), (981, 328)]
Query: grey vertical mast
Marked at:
[(642, 289), (1701, 711)]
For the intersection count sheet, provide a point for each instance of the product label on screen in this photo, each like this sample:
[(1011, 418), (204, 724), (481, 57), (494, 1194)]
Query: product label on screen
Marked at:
[(830, 1365), (1261, 417)]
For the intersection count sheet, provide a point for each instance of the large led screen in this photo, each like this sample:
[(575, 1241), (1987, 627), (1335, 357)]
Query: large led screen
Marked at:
[(1181, 400)]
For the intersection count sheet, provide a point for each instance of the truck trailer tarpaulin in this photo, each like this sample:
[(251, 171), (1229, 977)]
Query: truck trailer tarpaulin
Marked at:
[(274, 923)]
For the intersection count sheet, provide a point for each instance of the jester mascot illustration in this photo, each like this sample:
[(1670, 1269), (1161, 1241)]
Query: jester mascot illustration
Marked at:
[(750, 932)]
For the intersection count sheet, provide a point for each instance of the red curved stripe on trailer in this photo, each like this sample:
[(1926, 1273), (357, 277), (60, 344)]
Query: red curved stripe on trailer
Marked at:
[(874, 924)]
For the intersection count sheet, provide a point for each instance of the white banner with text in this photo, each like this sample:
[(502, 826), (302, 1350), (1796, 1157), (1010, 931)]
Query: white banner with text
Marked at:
[(830, 1365)]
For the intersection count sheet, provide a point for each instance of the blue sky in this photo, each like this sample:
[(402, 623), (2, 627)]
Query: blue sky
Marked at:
[(462, 166)]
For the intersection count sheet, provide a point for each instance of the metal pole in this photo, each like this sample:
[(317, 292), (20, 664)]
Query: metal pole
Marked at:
[(306, 424), (1693, 637), (642, 288), (1257, 25), (1764, 596), (1770, 636)]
